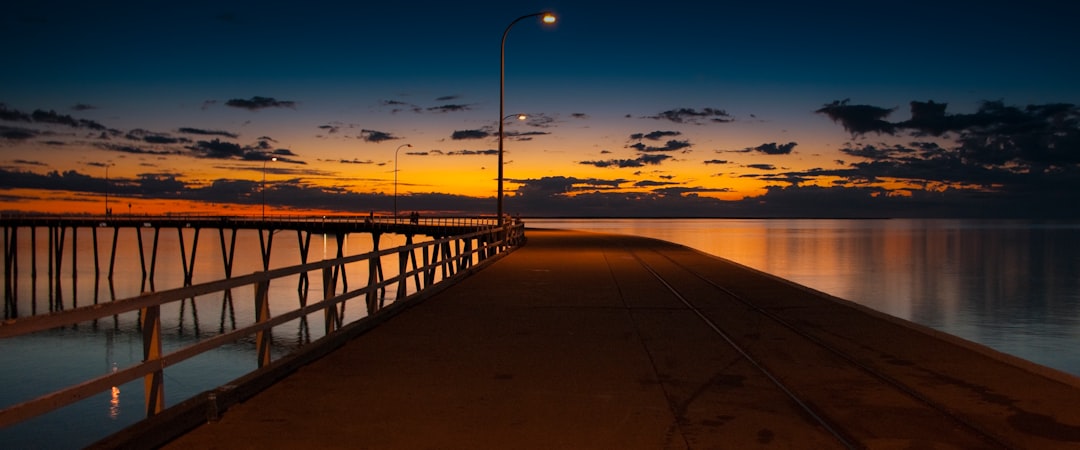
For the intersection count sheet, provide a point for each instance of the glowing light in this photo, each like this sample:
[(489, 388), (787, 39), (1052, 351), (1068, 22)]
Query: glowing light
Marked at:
[(549, 18)]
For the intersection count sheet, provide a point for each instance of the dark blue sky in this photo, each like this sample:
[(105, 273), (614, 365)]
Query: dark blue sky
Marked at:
[(724, 89)]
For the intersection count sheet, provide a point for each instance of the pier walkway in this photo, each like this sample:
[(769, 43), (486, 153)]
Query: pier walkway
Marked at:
[(581, 340)]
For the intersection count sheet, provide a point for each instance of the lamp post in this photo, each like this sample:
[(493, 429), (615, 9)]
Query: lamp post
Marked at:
[(548, 18), (263, 189), (107, 188), (395, 178)]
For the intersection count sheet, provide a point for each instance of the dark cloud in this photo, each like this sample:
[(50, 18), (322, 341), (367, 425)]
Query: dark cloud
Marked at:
[(151, 137), (217, 149), (654, 136), (579, 115), (356, 161), (82, 107), (202, 132), (398, 106), (717, 161), (693, 116), (29, 163), (449, 108), (670, 146), (134, 150), (17, 134), (257, 103), (376, 136), (329, 129), (447, 98), (773, 149), (470, 152), (640, 161), (761, 166), (859, 119), (651, 183), (559, 186), (525, 135), (11, 115), (469, 134), (51, 117)]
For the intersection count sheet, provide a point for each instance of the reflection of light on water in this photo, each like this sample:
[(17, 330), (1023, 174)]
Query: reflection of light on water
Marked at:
[(114, 400)]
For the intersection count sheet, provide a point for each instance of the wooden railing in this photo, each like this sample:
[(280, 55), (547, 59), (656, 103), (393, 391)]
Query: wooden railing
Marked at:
[(442, 261)]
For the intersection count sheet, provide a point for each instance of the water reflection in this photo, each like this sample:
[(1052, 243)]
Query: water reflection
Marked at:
[(59, 358)]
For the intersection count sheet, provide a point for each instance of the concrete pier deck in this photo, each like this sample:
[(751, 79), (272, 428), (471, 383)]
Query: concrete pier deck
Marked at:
[(572, 342)]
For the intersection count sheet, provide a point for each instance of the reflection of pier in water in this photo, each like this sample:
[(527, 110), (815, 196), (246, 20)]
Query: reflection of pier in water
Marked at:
[(62, 254)]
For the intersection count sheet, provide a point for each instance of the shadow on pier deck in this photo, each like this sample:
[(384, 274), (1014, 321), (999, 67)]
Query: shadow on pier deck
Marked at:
[(584, 340)]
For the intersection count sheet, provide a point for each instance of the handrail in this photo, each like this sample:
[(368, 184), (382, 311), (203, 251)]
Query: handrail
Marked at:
[(490, 242)]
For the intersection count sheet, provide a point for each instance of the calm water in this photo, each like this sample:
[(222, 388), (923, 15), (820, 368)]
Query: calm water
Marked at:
[(43, 362), (1010, 285)]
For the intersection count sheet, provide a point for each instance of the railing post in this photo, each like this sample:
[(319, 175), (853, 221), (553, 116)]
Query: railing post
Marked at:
[(154, 382), (330, 314), (262, 314), (403, 260)]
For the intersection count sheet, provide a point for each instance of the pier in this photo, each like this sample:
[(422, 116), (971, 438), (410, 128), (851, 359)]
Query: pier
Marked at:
[(322, 305), (580, 340)]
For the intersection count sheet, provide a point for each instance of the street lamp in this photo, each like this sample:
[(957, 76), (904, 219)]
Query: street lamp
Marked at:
[(395, 178), (107, 188), (548, 18), (263, 189)]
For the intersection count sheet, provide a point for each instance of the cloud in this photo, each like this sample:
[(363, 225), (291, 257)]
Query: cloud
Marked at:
[(449, 108), (558, 186), (82, 107), (525, 135), (773, 149), (151, 137), (356, 161), (579, 115), (17, 134), (651, 183), (376, 136), (447, 98), (761, 166), (693, 116), (257, 103), (654, 136), (217, 149), (470, 152), (469, 134), (202, 132), (29, 163), (11, 115), (716, 161), (859, 119), (134, 150), (640, 161), (670, 146), (51, 117), (329, 129)]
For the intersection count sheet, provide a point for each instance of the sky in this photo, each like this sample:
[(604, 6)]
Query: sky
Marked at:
[(659, 109)]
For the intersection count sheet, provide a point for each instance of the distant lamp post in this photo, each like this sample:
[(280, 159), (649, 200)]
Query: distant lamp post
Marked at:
[(547, 17), (263, 189), (107, 212), (395, 178)]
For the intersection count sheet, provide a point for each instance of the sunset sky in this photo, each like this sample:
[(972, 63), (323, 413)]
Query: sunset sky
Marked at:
[(678, 108)]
